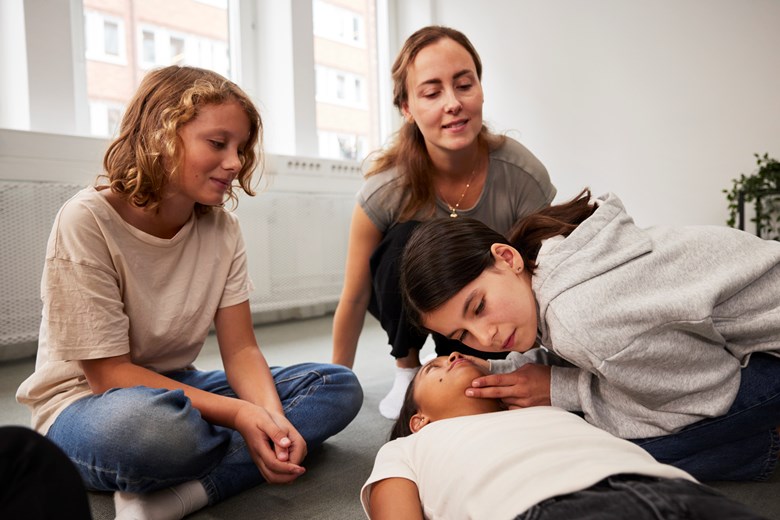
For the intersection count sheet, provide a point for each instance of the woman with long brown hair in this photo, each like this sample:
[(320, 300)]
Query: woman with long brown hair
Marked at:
[(444, 162)]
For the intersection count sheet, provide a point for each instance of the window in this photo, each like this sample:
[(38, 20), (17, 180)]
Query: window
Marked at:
[(104, 37), (105, 117), (340, 87), (123, 39), (337, 23), (111, 38), (148, 47), (177, 50), (347, 81), (199, 38)]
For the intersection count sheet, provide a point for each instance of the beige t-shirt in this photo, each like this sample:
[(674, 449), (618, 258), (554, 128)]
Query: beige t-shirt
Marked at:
[(497, 465), (109, 289)]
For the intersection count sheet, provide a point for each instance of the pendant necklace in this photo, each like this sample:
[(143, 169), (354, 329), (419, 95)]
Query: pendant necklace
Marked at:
[(454, 209)]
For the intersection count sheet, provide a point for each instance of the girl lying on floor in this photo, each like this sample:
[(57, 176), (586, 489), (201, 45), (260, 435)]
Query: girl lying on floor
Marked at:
[(673, 332), (452, 456)]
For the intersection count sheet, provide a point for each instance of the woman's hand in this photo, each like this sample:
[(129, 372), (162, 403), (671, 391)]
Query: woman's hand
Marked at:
[(527, 386), (275, 445)]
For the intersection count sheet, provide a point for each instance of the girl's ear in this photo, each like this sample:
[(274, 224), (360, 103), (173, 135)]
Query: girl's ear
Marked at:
[(507, 257), (417, 422)]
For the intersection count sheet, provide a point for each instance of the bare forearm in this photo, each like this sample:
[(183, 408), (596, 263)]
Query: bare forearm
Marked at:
[(347, 326), (250, 378)]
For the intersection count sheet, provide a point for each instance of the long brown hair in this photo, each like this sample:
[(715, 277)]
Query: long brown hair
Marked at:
[(147, 154), (407, 151), (444, 255)]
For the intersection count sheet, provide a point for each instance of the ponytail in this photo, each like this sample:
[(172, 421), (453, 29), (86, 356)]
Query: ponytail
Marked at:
[(561, 219)]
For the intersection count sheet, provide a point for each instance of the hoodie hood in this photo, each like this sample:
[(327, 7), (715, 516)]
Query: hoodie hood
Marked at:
[(604, 241)]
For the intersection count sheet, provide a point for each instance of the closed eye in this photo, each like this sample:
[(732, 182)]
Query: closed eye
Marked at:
[(427, 368), (217, 144)]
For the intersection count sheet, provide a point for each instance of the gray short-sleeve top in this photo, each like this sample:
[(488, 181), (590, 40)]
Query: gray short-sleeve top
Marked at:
[(517, 184)]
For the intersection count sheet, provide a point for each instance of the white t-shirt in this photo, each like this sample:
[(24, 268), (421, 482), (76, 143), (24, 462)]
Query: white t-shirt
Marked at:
[(497, 465), (109, 289)]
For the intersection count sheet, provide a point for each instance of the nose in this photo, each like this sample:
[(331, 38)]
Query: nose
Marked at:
[(452, 104), (232, 161), (454, 357), (484, 335)]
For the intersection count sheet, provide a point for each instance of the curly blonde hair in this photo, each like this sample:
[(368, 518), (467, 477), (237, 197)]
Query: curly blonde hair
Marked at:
[(148, 152)]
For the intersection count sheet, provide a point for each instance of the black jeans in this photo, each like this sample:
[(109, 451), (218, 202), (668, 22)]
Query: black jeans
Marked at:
[(641, 498)]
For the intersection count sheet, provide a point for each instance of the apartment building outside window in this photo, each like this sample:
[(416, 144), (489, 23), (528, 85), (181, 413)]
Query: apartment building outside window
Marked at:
[(346, 77), (325, 104)]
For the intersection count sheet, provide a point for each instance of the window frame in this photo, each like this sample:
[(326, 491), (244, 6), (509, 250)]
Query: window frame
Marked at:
[(59, 58)]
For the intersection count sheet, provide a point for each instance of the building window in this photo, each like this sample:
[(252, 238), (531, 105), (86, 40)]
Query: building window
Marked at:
[(157, 43), (111, 38), (160, 46), (177, 50), (337, 23), (104, 37), (148, 50), (123, 39), (105, 117), (340, 87)]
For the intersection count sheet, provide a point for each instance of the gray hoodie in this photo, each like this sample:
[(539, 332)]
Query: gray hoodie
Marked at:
[(658, 320)]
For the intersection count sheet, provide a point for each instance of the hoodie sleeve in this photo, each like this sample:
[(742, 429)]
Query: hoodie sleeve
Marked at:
[(512, 362), (538, 355)]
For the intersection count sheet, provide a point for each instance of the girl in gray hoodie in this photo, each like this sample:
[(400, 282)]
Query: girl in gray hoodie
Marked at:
[(671, 335)]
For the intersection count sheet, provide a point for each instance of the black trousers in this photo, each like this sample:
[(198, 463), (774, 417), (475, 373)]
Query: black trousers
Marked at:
[(387, 306), (37, 480), (641, 498)]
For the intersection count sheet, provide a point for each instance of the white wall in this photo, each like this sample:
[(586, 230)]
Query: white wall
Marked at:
[(660, 101)]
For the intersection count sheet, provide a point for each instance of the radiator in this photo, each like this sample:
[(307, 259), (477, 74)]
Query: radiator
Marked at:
[(27, 210)]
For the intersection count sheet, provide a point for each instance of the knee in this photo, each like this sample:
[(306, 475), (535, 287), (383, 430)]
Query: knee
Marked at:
[(149, 423), (343, 381), (342, 387), (333, 389)]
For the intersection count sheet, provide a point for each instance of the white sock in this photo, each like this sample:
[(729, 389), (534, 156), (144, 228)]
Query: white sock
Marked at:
[(390, 406), (171, 503)]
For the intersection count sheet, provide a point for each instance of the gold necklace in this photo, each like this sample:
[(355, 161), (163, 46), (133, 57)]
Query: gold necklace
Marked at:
[(454, 209)]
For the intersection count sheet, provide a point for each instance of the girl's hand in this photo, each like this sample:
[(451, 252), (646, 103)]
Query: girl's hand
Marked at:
[(527, 386), (275, 445)]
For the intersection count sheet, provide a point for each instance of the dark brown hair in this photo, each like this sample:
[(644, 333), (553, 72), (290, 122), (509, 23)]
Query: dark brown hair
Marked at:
[(408, 409), (407, 152), (444, 255), (141, 161)]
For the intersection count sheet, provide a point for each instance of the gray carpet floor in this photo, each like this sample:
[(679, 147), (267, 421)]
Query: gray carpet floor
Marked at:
[(330, 488)]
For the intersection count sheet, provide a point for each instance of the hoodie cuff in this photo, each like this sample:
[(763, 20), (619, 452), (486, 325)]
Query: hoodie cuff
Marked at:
[(563, 388), (512, 362)]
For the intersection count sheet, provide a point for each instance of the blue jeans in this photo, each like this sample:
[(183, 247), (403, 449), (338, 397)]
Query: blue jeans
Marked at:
[(640, 498), (742, 444), (141, 439)]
